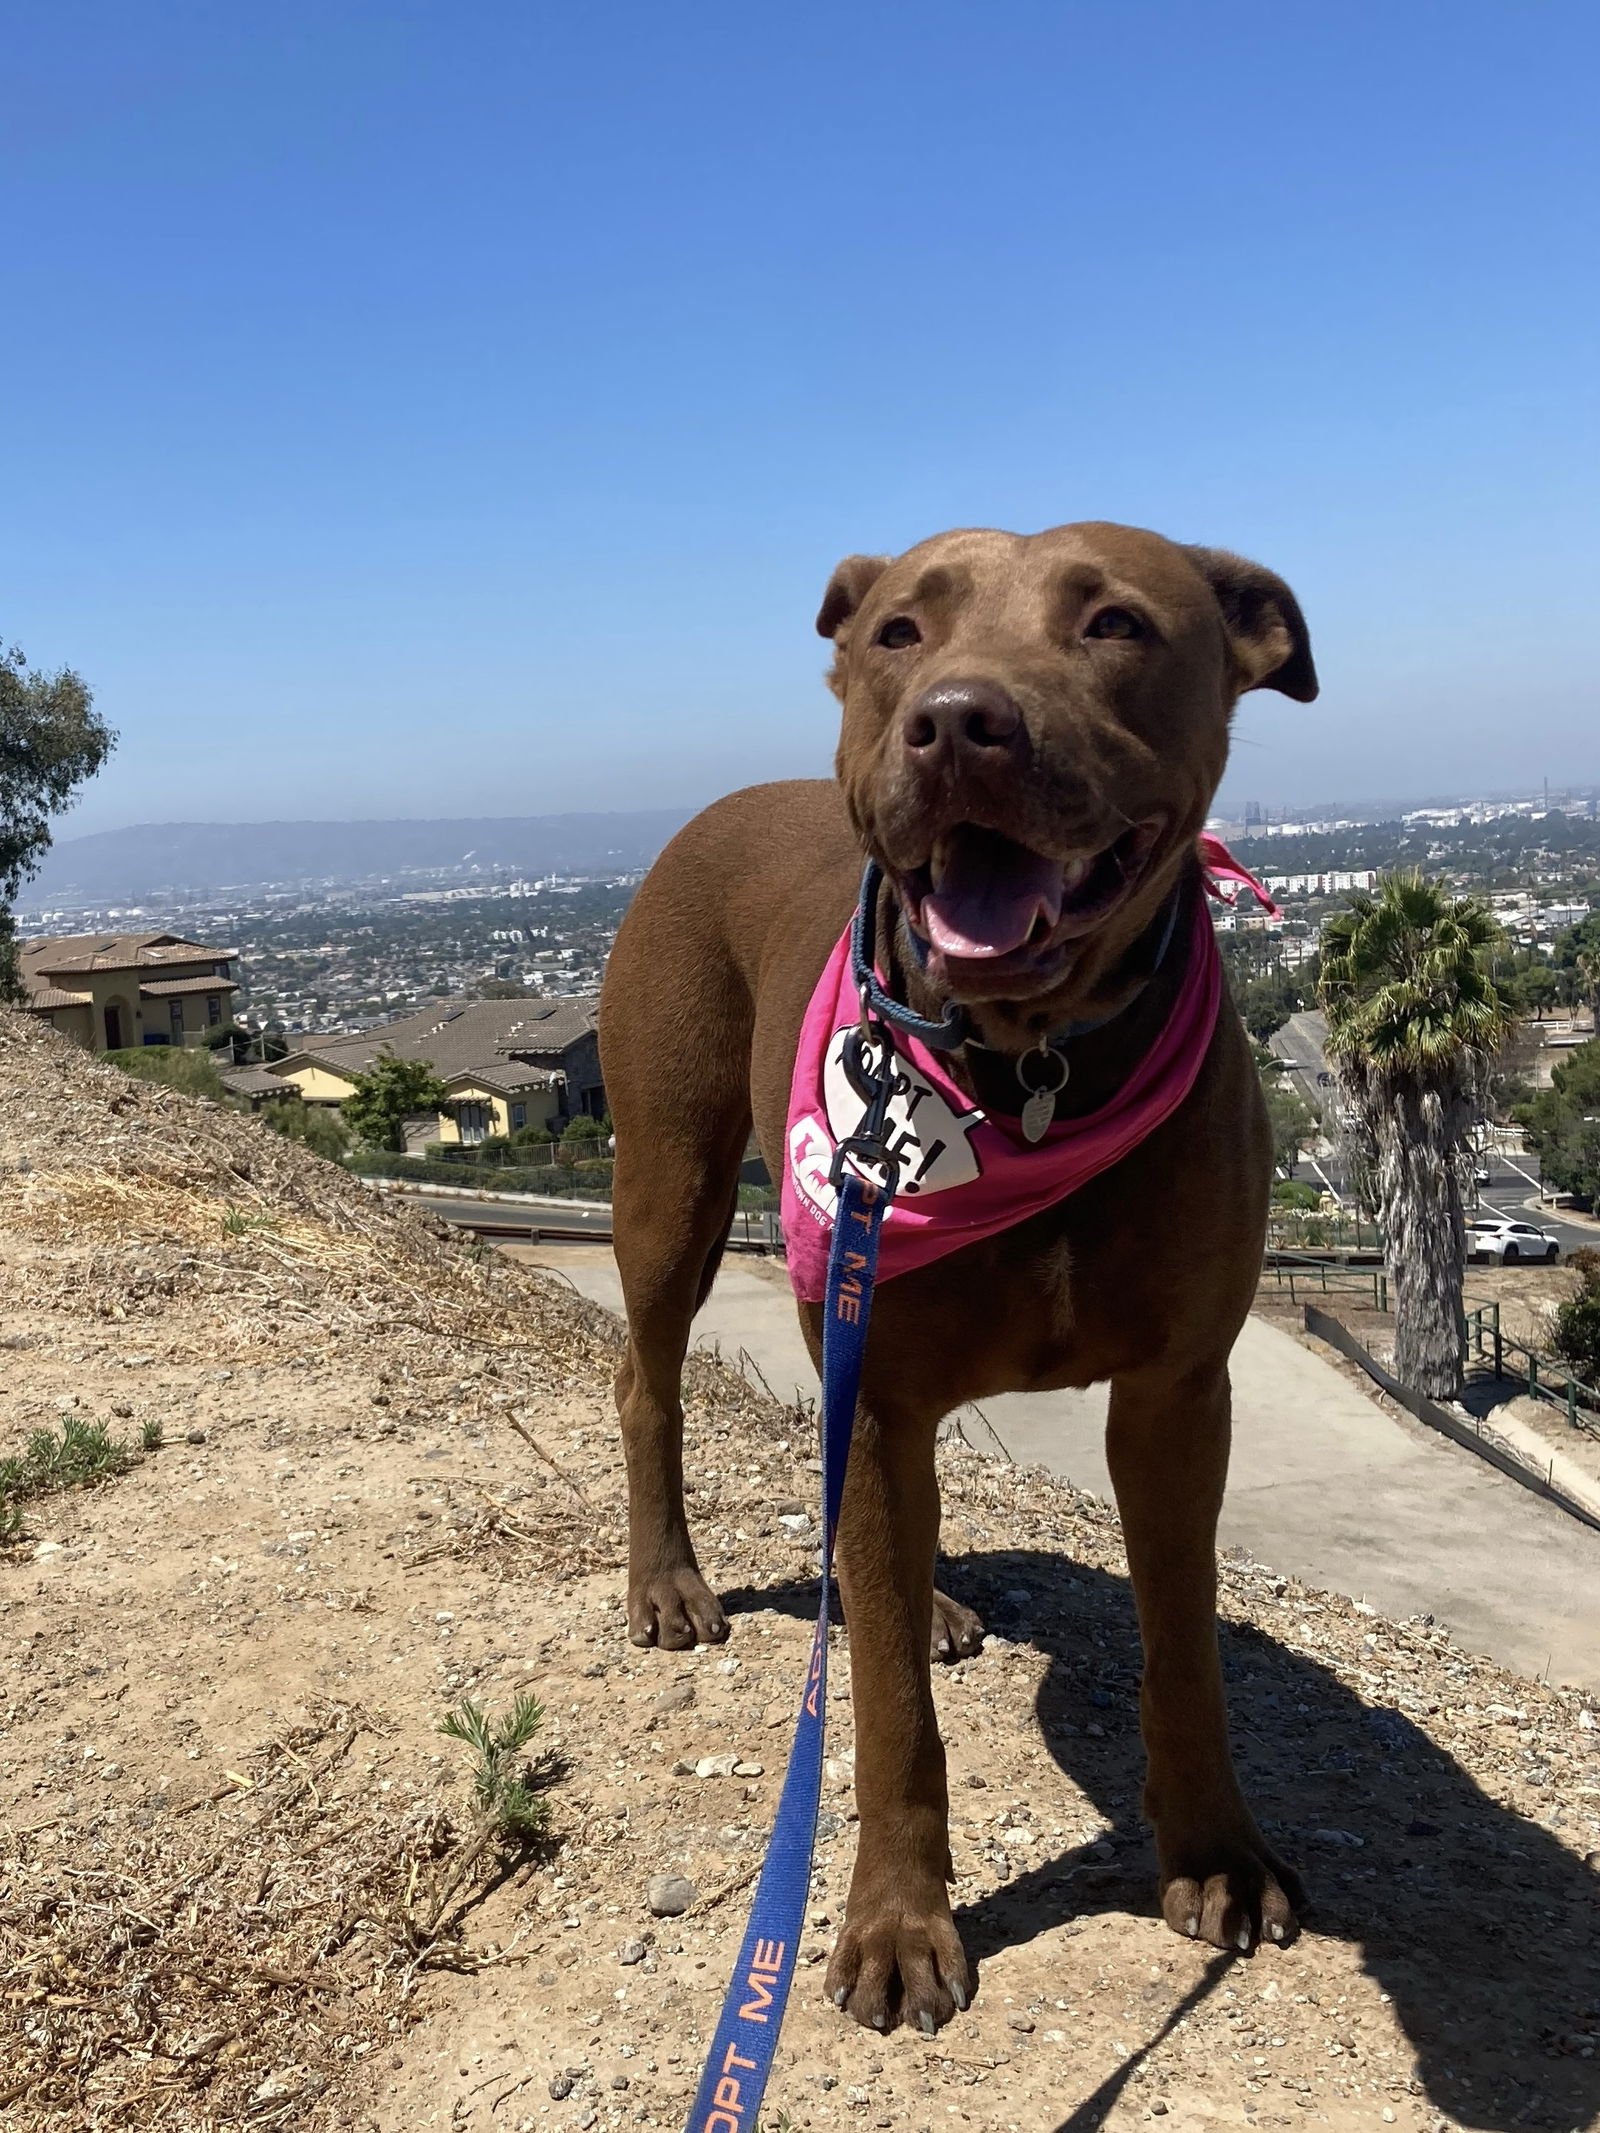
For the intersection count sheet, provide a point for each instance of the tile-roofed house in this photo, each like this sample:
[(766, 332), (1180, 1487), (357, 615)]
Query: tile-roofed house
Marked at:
[(111, 990), (257, 1083), (564, 1032), (476, 1049)]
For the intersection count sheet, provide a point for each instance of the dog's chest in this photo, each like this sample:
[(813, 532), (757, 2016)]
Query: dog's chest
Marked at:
[(1049, 1315)]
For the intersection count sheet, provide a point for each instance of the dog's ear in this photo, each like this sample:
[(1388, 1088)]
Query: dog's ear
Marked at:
[(1268, 634), (847, 588)]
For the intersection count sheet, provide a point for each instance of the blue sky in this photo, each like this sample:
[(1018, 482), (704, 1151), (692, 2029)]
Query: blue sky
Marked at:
[(427, 409)]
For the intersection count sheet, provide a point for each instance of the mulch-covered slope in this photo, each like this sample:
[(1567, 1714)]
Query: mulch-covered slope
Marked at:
[(391, 1476)]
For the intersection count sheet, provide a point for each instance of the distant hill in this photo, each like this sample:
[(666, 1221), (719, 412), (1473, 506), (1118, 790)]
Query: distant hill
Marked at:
[(157, 858)]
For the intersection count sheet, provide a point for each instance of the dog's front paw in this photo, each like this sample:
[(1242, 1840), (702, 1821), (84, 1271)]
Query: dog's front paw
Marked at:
[(1228, 1887), (675, 1609), (897, 1962), (957, 1631)]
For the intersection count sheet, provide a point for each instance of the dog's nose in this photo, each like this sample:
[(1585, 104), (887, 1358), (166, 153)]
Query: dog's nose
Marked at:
[(962, 720)]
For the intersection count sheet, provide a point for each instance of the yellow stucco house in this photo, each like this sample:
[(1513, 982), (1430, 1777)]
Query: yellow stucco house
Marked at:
[(112, 990), (505, 1064)]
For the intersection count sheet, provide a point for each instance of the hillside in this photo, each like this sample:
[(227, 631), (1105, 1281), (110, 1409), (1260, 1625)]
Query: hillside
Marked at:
[(390, 1475), (152, 857)]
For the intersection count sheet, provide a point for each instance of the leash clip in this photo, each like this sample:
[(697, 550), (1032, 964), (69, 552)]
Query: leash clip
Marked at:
[(869, 1146)]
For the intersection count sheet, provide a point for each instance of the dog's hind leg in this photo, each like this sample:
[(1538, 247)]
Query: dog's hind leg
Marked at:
[(675, 1035)]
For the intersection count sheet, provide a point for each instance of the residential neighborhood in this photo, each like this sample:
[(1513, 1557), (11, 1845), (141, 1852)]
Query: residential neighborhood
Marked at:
[(507, 1065)]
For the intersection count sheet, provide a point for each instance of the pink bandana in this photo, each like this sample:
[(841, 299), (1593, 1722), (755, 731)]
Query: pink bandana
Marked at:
[(965, 1175)]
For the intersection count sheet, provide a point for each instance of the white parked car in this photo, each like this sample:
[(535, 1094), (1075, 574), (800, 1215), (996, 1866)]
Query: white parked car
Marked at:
[(1503, 1238)]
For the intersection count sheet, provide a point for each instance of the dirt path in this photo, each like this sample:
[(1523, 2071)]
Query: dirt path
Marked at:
[(223, 1796)]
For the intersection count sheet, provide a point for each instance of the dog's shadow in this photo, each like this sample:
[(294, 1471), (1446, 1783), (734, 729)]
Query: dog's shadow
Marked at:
[(1482, 1928)]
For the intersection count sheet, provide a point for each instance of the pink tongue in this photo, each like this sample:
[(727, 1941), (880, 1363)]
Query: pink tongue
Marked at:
[(989, 898)]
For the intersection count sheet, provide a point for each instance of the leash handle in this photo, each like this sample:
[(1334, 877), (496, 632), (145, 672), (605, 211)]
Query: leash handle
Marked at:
[(737, 2067)]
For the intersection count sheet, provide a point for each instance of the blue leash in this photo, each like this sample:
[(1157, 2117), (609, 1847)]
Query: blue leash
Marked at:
[(739, 2062)]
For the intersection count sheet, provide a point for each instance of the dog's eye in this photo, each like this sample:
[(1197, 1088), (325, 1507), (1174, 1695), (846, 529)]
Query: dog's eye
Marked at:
[(898, 632), (1115, 622)]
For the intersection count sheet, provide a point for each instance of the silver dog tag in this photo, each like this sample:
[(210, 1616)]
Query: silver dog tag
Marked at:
[(1040, 1107), (1037, 1113)]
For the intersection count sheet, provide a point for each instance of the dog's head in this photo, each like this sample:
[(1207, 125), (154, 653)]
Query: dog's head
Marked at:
[(1034, 727)]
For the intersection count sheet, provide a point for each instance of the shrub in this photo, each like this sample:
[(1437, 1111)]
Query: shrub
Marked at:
[(1576, 1337), (583, 1181), (1561, 1124), (173, 1066), (318, 1126), (1295, 1192)]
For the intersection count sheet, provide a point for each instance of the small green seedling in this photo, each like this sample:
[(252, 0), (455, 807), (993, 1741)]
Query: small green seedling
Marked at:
[(238, 1224), (508, 1821), (503, 1798)]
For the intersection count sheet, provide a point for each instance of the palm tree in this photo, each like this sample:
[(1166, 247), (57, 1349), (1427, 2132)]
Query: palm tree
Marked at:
[(1414, 1020)]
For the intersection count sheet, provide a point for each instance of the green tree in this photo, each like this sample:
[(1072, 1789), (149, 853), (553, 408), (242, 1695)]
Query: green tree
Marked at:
[(1414, 1022), (386, 1096), (1266, 995), (51, 741), (1577, 957), (1563, 1124), (584, 1128), (1294, 1126), (1535, 989)]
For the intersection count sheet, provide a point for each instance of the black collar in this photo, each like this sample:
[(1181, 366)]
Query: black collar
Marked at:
[(954, 1029)]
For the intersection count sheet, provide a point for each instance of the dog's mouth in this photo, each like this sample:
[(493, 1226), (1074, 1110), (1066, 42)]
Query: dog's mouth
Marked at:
[(982, 899)]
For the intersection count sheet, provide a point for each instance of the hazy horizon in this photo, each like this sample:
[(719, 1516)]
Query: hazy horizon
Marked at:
[(1319, 804)]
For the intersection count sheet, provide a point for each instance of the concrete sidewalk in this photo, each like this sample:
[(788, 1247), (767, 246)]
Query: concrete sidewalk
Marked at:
[(1325, 1484)]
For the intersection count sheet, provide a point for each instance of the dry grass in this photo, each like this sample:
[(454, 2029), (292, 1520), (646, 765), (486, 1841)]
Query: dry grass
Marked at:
[(239, 1955)]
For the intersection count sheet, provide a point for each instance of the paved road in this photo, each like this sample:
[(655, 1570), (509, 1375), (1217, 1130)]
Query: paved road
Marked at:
[(1300, 1045), (1301, 1042), (1509, 1192), (511, 1212), (1325, 1484)]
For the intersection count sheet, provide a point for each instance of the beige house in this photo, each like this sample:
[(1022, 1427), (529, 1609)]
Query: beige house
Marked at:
[(476, 1049), (113, 990)]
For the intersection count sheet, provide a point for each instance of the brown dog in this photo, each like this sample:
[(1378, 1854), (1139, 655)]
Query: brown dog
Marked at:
[(1037, 724)]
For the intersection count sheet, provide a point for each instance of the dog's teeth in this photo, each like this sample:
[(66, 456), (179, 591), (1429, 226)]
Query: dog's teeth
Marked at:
[(1075, 872)]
